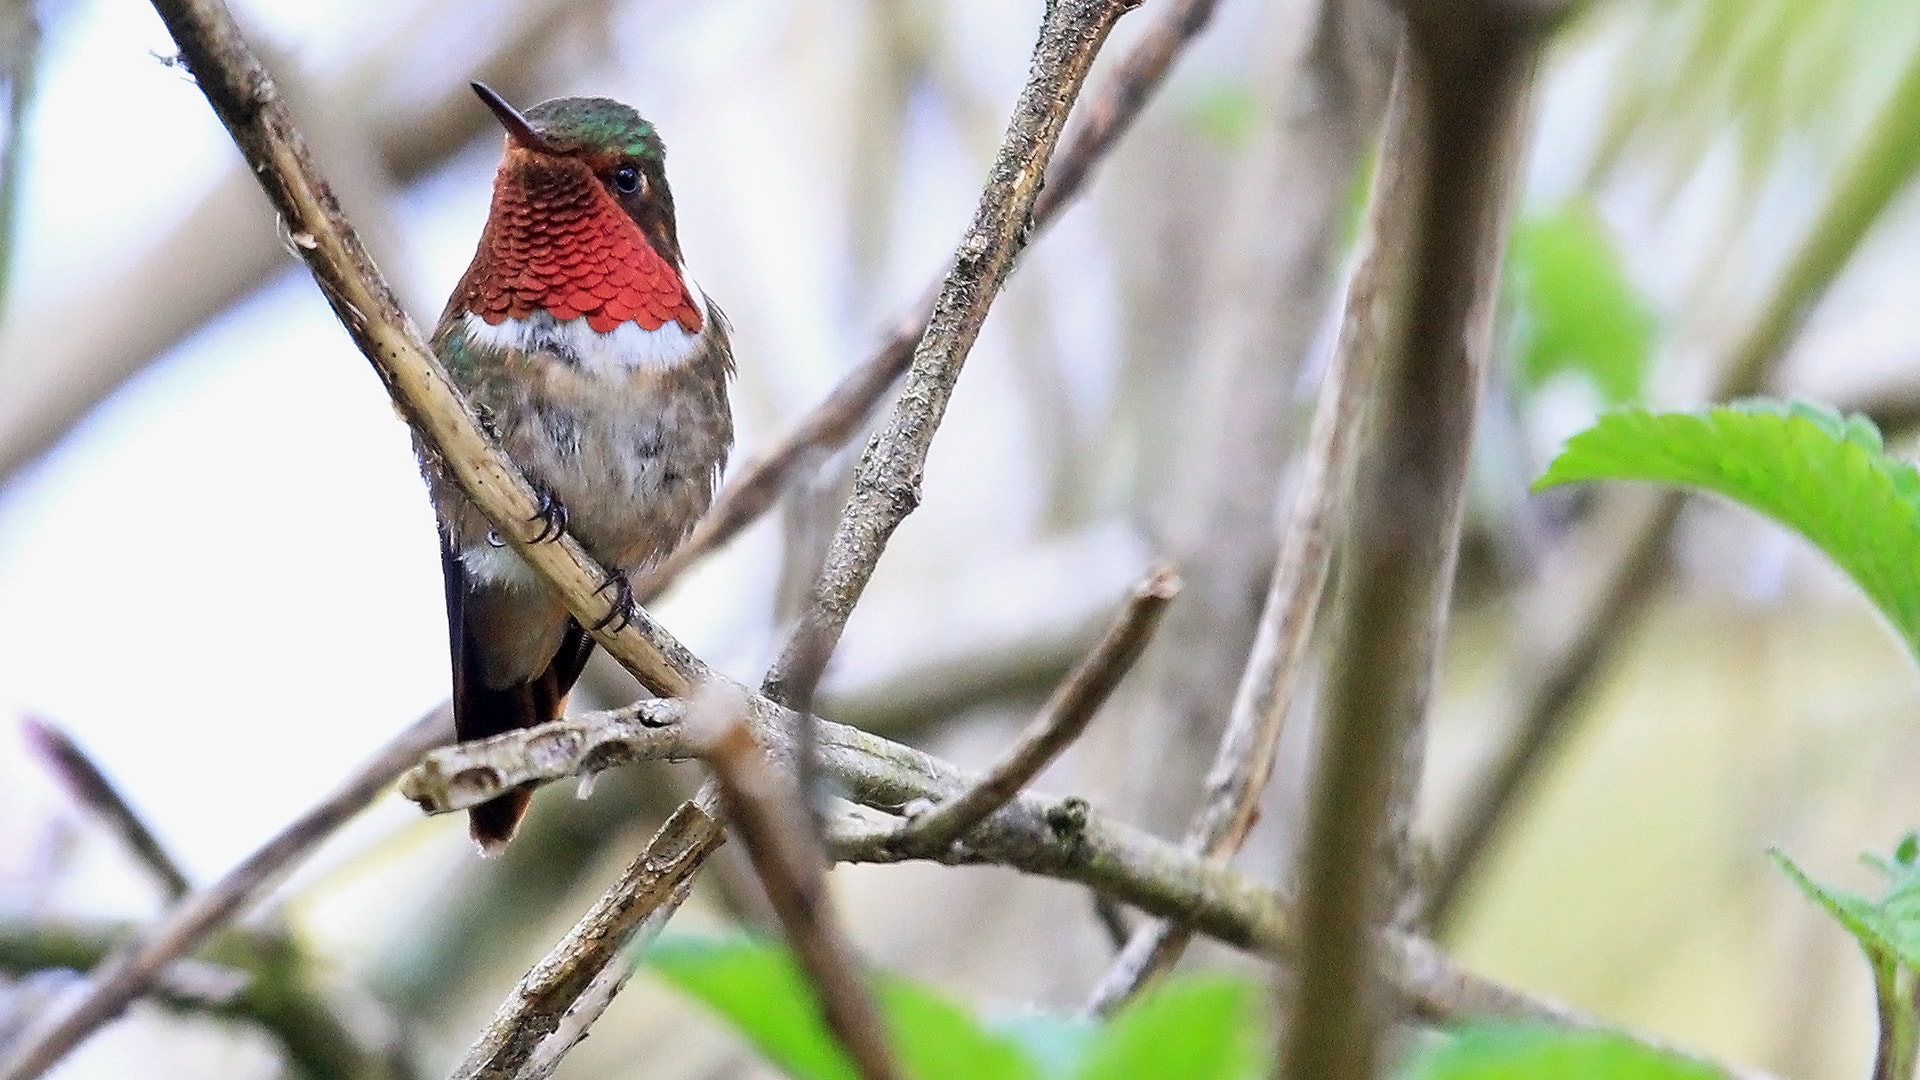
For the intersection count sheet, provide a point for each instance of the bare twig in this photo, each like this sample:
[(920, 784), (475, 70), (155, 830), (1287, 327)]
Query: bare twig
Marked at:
[(132, 970), (1060, 722), (1099, 119), (91, 788), (1875, 175), (887, 483), (1054, 837), (768, 811), (540, 1007), (1426, 289)]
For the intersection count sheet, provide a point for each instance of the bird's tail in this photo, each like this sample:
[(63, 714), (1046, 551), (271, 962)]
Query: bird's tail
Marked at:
[(480, 710)]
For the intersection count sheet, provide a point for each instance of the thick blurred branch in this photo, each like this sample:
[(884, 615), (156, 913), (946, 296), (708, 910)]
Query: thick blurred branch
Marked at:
[(887, 483), (1422, 298), (130, 971), (1229, 409), (1874, 176)]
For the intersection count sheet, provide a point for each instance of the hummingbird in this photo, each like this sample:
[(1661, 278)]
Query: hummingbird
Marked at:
[(590, 354)]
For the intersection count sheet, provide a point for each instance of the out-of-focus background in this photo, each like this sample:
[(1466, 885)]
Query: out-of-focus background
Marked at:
[(218, 573)]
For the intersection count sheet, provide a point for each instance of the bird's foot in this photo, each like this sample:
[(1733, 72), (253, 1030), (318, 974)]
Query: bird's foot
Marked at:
[(552, 517), (623, 603)]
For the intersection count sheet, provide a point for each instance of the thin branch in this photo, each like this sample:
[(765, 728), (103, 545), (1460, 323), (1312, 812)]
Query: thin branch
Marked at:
[(768, 810), (131, 971), (1426, 289), (1554, 690), (260, 977), (539, 1009), (1099, 119), (1244, 761), (1877, 173), (21, 54), (887, 482), (91, 788), (1066, 714), (1054, 837)]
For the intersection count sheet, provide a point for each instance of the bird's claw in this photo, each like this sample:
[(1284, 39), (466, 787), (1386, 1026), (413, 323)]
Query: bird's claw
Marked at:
[(552, 517), (623, 603)]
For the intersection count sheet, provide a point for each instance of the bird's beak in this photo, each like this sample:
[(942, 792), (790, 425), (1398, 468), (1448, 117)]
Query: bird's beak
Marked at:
[(519, 131)]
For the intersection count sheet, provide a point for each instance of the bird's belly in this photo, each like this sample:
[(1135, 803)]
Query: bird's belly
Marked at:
[(634, 460)]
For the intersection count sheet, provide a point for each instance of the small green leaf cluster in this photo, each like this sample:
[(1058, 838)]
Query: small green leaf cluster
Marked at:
[(1888, 930)]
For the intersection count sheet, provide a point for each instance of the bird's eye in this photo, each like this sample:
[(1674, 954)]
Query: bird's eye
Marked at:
[(626, 179)]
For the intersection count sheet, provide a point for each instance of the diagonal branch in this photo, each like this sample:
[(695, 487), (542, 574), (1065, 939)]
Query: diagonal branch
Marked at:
[(88, 785), (887, 482), (534, 1014), (1244, 761), (1066, 714), (128, 974), (1099, 119)]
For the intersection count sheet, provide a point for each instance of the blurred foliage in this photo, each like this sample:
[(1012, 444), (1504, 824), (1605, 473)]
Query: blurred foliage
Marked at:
[(1888, 930), (1226, 112), (1766, 74), (1502, 1052), (1569, 307), (1826, 476), (1198, 1028)]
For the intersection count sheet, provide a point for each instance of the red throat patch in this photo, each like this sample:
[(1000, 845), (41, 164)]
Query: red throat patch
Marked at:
[(556, 240)]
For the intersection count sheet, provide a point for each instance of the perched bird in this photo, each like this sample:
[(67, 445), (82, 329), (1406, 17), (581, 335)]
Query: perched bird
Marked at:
[(590, 354)]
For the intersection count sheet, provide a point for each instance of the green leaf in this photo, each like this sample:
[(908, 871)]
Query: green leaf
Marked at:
[(1570, 306), (1507, 1052), (938, 1040), (757, 987), (1823, 475), (759, 990), (1204, 1028)]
